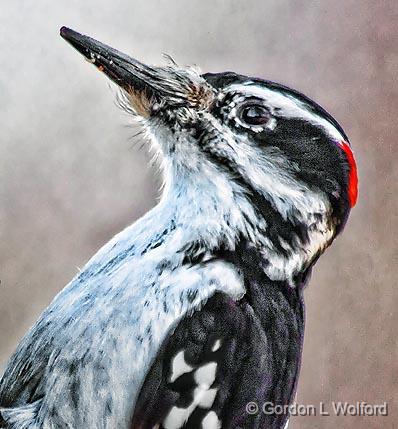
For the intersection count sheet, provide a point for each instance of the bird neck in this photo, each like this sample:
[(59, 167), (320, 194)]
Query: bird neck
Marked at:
[(216, 214)]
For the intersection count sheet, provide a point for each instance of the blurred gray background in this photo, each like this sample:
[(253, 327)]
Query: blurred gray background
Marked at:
[(71, 176)]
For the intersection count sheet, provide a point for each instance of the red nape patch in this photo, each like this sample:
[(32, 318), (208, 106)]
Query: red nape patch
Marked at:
[(352, 175)]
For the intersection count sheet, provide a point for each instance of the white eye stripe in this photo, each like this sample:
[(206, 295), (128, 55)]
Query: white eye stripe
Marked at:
[(287, 106)]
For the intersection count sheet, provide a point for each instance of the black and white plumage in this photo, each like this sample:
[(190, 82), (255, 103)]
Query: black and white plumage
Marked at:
[(197, 308)]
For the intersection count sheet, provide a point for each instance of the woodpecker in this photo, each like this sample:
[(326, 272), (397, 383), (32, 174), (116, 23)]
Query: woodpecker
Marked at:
[(193, 316)]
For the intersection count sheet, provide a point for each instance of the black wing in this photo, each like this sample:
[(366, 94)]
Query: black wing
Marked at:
[(220, 361)]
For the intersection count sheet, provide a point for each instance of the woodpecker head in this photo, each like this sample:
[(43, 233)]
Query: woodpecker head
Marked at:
[(270, 150)]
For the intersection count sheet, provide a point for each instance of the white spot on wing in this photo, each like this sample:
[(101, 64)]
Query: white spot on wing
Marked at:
[(216, 346), (202, 395), (206, 374), (211, 421), (177, 417), (179, 366)]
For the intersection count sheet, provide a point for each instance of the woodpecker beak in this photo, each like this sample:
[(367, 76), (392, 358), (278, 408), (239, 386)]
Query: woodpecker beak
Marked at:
[(144, 85)]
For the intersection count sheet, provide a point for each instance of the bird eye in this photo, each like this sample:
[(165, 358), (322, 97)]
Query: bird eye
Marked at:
[(255, 114)]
